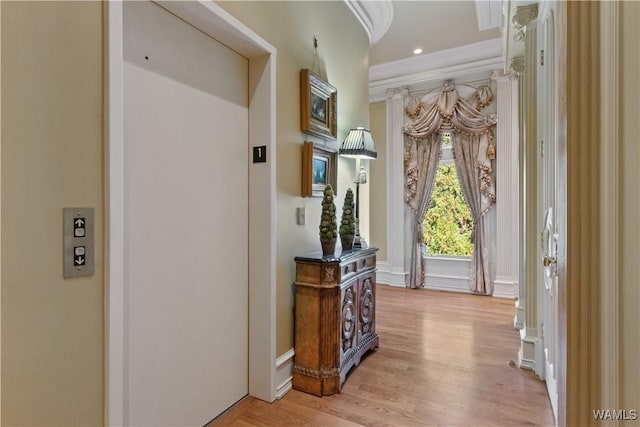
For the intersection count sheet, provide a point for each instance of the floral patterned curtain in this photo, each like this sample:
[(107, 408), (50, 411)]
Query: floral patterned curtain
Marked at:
[(473, 148)]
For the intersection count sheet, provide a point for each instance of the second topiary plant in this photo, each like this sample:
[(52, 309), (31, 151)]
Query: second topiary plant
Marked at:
[(348, 223), (328, 226)]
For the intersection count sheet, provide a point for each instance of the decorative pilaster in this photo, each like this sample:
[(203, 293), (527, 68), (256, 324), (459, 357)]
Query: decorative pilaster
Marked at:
[(530, 355), (517, 93), (396, 251), (506, 283), (518, 321)]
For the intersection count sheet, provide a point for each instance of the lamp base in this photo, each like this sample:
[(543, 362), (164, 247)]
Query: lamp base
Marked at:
[(358, 240), (357, 243)]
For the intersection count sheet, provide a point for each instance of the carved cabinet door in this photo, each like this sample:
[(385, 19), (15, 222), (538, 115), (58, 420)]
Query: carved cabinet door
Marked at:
[(348, 319), (366, 306)]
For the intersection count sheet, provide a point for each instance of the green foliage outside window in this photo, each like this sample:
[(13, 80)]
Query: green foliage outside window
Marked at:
[(448, 223), (446, 139)]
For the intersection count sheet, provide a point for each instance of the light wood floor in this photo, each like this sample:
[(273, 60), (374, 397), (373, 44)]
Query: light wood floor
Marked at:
[(443, 360)]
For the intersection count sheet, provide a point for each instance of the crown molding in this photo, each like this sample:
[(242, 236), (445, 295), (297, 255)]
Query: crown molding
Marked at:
[(472, 61), (375, 16)]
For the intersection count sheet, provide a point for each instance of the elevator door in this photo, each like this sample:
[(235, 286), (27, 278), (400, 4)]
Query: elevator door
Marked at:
[(186, 221)]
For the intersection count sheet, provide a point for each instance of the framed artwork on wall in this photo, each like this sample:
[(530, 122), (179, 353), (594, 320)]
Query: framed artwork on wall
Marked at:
[(319, 168), (318, 102)]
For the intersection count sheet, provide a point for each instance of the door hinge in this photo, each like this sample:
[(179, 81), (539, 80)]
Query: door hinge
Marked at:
[(541, 57), (541, 148)]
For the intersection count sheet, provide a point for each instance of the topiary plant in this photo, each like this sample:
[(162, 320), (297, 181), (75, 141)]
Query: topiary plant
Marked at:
[(328, 227), (348, 222)]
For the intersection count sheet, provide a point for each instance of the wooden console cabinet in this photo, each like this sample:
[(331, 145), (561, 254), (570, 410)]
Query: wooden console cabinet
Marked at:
[(335, 322)]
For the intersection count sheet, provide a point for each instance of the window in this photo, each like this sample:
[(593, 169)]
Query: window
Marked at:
[(448, 223)]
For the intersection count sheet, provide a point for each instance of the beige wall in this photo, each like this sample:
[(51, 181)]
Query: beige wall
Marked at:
[(378, 119), (630, 231), (52, 328), (290, 27)]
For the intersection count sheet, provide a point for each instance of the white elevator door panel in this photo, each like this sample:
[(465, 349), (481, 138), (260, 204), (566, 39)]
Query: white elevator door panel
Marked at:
[(186, 221)]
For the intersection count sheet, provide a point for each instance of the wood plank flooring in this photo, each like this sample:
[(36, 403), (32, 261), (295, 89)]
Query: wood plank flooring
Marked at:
[(443, 360)]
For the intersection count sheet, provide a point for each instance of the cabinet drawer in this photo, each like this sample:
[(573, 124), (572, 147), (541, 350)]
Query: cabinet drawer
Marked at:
[(348, 270), (367, 263)]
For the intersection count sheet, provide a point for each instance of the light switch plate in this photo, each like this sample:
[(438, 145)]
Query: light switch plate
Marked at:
[(300, 216), (78, 250)]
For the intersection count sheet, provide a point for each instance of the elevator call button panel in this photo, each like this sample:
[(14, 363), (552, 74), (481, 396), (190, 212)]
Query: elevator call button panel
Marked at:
[(78, 230)]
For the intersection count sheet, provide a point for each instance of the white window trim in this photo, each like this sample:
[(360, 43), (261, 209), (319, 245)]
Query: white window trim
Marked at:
[(447, 272)]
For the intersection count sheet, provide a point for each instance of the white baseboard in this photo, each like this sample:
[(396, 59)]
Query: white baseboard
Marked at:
[(284, 373), (526, 363), (518, 319), (384, 276), (530, 353), (551, 384), (442, 282), (447, 283), (524, 359), (505, 289), (447, 273)]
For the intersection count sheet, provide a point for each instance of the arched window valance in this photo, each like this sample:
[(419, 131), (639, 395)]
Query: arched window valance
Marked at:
[(473, 148)]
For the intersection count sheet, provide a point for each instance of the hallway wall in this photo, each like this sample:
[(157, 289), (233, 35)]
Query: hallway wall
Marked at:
[(378, 118), (345, 66), (52, 157)]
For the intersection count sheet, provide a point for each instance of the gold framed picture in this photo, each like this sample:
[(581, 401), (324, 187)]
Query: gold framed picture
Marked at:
[(318, 103), (319, 168)]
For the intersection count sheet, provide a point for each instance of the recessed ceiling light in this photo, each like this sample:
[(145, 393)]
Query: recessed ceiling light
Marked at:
[(417, 51)]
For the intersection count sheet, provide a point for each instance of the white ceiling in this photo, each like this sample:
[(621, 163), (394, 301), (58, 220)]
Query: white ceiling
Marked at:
[(430, 25)]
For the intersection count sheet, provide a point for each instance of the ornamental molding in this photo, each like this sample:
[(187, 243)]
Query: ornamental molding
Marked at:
[(402, 91), (524, 15), (471, 62), (316, 373), (374, 16), (328, 275), (500, 75), (519, 18), (517, 65)]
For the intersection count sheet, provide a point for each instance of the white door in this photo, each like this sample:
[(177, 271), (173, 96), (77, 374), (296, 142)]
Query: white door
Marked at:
[(186, 221), (552, 214)]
